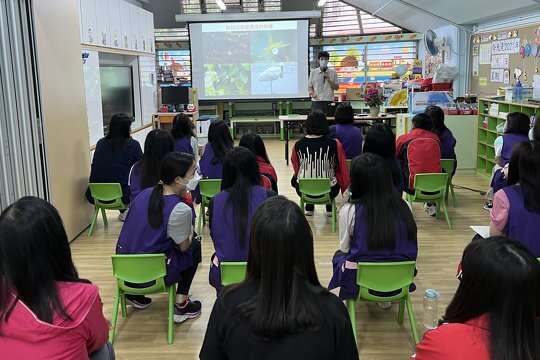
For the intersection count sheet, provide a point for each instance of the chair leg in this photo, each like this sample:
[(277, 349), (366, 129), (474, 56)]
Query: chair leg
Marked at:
[(170, 333), (123, 305), (401, 312), (412, 321), (114, 317), (352, 315), (94, 219), (438, 211), (201, 217), (453, 195), (333, 215), (104, 216), (302, 205), (446, 216)]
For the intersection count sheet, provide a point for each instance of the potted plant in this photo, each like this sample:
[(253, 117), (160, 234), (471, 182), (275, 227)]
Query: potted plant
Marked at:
[(374, 99)]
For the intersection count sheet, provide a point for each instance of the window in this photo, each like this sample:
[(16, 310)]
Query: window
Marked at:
[(357, 64), (194, 6), (174, 67)]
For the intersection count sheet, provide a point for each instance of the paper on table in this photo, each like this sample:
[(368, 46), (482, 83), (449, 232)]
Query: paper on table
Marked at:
[(483, 231)]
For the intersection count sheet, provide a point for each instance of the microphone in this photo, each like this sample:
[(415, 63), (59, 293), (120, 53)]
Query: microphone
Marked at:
[(324, 72)]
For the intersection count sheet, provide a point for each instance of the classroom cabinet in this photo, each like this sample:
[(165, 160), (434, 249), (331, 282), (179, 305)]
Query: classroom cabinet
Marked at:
[(135, 29), (89, 22), (115, 28), (125, 25), (103, 29)]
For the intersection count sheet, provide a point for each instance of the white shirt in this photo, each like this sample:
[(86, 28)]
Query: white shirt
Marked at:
[(179, 226), (321, 87)]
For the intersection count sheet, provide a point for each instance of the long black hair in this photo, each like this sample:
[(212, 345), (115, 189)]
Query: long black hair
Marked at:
[(255, 144), (385, 213), (525, 168), (158, 143), (437, 116), (174, 164), (119, 130), (518, 122), (344, 113), (536, 128), (281, 265), (34, 256), (381, 140), (501, 278), (240, 174), (182, 126), (219, 137)]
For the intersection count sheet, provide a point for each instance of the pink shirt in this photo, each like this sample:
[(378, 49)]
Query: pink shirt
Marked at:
[(25, 336), (500, 211)]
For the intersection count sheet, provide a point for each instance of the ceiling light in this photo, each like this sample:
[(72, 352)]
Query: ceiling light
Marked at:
[(222, 5), (321, 3)]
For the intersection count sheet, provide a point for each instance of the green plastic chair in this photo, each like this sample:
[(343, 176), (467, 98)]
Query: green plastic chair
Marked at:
[(232, 272), (431, 183), (385, 277), (106, 196), (208, 189), (317, 192), (448, 167), (139, 269), (349, 161)]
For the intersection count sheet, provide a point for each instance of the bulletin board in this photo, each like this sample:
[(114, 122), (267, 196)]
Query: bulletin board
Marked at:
[(498, 55)]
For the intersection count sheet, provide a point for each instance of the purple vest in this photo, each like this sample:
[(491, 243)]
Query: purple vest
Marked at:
[(224, 235), (509, 142), (523, 225), (351, 138), (135, 180), (183, 145), (448, 145), (208, 169), (344, 278), (138, 237)]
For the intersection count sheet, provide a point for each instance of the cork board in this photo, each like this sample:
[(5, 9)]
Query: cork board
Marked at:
[(496, 55)]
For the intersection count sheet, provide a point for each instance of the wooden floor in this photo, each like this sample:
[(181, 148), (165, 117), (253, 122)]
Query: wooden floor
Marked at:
[(143, 334)]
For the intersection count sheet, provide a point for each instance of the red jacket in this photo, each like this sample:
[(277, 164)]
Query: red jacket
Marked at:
[(268, 174), (466, 341), (419, 153), (24, 336)]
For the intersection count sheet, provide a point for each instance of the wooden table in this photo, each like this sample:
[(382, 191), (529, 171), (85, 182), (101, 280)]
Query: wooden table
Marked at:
[(359, 120), (167, 118)]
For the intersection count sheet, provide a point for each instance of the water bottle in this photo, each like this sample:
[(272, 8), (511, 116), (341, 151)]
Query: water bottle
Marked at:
[(519, 91), (430, 309)]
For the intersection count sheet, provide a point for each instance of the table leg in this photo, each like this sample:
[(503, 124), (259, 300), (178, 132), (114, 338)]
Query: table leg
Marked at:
[(286, 123)]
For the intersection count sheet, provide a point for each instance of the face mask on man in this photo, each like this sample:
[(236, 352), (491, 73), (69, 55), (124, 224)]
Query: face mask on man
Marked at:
[(324, 63)]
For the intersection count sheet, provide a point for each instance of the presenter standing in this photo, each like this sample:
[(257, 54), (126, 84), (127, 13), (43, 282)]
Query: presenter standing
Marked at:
[(322, 83)]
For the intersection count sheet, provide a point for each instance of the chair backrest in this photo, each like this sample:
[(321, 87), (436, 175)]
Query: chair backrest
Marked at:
[(349, 161), (430, 183), (384, 277), (232, 272), (448, 165), (111, 193), (315, 190), (140, 269), (209, 187)]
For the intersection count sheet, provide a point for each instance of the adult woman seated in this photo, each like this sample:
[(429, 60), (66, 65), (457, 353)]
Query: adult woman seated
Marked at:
[(280, 311)]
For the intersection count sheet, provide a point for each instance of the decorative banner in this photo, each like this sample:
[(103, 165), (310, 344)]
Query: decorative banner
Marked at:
[(508, 46), (483, 81), (497, 75), (475, 66), (485, 54), (500, 61), (506, 76)]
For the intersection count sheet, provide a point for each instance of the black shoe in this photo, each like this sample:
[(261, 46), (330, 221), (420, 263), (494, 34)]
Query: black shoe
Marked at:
[(138, 301), (188, 310), (488, 205)]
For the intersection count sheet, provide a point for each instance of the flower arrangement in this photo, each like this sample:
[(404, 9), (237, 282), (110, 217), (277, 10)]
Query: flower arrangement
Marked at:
[(373, 97)]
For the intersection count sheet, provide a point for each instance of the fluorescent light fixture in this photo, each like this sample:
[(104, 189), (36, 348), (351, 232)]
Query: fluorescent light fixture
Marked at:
[(222, 5), (321, 3), (248, 16)]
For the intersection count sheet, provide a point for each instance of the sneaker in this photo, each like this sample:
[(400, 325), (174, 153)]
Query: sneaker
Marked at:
[(488, 205), (188, 310), (122, 216), (431, 209), (138, 301), (329, 214), (308, 212), (384, 305)]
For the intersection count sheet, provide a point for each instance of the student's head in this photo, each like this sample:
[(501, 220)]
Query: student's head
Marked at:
[(219, 137), (34, 256), (517, 123), (344, 113), (422, 121), (119, 130), (281, 263), (501, 278), (176, 171), (380, 140), (255, 144), (182, 126), (383, 209), (158, 143), (525, 169), (316, 123), (437, 116), (240, 174)]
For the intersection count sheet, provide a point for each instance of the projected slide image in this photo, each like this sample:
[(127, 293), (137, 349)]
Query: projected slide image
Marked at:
[(220, 48), (226, 79), (273, 46), (274, 78)]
